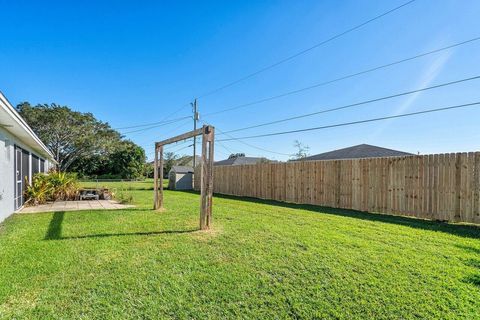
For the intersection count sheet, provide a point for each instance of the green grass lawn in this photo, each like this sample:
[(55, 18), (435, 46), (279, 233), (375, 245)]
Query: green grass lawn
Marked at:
[(261, 260), (147, 184)]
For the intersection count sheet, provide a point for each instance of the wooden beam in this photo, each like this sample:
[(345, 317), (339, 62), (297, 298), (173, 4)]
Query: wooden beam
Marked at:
[(155, 180), (158, 178), (180, 137), (160, 183), (203, 183), (211, 138), (206, 177), (206, 172)]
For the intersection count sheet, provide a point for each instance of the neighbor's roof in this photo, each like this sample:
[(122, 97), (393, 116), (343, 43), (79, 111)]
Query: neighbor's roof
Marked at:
[(12, 122), (360, 151), (238, 161), (182, 169)]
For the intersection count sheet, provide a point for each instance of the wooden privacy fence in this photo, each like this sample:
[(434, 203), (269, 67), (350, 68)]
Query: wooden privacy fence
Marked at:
[(438, 186)]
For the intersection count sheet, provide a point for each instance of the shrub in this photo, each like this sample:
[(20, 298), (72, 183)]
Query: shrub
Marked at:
[(50, 187), (65, 185), (124, 198), (40, 191)]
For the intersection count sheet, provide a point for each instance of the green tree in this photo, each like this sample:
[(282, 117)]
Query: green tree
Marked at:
[(148, 170), (70, 135), (81, 143), (127, 161), (169, 160)]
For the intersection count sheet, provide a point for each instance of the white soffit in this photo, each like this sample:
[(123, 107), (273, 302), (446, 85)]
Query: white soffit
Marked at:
[(12, 122)]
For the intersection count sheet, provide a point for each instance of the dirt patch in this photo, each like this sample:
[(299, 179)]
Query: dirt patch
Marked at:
[(206, 235)]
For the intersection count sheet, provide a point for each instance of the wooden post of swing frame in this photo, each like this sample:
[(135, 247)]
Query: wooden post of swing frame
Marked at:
[(206, 178), (155, 179), (158, 178), (206, 172)]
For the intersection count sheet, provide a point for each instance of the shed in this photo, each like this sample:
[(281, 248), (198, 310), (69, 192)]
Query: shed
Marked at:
[(180, 178), (22, 154)]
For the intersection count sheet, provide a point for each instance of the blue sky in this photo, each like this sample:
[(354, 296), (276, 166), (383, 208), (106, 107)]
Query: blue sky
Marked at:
[(132, 63)]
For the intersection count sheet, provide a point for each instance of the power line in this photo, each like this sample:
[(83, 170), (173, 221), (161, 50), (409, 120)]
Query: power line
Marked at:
[(255, 147), (356, 122), (159, 124), (248, 144), (177, 144), (275, 64), (355, 104), (177, 111), (174, 145), (231, 152), (175, 151), (223, 152), (195, 119), (153, 123), (225, 147), (172, 131), (304, 51), (178, 127), (165, 121), (342, 78)]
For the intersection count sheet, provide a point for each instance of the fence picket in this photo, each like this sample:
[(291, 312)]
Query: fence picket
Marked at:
[(442, 187)]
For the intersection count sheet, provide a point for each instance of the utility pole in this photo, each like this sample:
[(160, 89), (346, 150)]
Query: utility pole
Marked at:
[(195, 119)]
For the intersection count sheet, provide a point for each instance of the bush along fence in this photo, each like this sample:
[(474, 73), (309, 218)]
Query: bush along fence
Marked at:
[(438, 187)]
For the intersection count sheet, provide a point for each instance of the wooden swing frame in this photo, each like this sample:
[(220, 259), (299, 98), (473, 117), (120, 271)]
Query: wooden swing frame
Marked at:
[(206, 172)]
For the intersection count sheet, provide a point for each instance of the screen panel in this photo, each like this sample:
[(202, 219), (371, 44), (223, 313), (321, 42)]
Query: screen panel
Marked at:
[(35, 164)]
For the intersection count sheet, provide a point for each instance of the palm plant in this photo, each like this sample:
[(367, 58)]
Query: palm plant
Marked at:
[(51, 187), (65, 185), (39, 191)]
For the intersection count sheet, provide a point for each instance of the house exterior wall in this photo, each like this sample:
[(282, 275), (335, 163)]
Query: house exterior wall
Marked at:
[(7, 170), (7, 178)]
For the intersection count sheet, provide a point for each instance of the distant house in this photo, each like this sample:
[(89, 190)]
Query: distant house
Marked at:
[(357, 152), (180, 178), (22, 155), (235, 161)]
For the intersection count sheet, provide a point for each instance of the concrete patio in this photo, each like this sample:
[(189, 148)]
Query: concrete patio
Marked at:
[(76, 205)]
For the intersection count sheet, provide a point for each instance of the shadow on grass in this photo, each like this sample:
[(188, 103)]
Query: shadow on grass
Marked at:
[(470, 249), (54, 231), (107, 235), (467, 231), (473, 263), (474, 279)]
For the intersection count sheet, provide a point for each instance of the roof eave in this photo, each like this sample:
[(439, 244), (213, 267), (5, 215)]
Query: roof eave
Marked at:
[(19, 124)]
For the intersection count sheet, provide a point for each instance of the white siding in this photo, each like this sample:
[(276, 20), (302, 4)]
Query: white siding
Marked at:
[(7, 171), (7, 167)]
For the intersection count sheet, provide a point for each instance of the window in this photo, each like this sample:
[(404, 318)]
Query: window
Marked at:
[(35, 164)]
